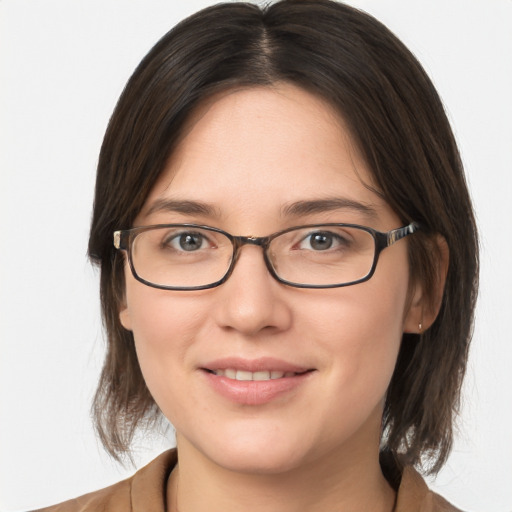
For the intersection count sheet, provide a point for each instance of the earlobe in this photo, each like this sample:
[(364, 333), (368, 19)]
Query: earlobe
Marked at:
[(414, 321), (125, 318), (425, 304)]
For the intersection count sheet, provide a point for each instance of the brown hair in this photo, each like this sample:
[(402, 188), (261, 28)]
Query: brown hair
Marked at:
[(395, 115)]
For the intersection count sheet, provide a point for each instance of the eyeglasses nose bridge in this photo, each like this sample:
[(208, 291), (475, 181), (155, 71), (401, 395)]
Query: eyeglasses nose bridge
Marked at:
[(240, 241)]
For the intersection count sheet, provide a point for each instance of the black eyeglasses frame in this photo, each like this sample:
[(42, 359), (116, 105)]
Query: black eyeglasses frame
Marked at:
[(123, 241)]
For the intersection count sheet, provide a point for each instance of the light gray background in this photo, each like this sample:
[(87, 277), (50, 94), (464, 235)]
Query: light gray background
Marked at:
[(63, 64)]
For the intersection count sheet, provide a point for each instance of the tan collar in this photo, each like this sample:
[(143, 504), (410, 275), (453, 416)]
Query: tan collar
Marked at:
[(147, 490), (414, 495)]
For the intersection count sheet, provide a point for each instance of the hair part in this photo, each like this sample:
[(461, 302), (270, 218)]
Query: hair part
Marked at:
[(398, 122)]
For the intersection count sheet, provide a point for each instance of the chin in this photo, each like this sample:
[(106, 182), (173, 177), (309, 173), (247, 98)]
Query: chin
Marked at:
[(254, 454), (270, 461)]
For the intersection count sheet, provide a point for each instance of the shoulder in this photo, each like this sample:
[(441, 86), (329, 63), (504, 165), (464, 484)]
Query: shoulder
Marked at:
[(414, 495), (144, 489), (113, 498)]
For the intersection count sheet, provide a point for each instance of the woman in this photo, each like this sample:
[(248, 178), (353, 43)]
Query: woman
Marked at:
[(279, 208)]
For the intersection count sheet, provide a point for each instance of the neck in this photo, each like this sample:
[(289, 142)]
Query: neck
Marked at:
[(333, 483)]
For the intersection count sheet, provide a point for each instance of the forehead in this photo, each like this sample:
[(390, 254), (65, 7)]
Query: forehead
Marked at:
[(262, 149)]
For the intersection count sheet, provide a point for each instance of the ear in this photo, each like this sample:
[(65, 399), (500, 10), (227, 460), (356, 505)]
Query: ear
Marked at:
[(424, 305), (124, 316)]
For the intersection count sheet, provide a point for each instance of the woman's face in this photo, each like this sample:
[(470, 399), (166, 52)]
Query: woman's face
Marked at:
[(253, 162)]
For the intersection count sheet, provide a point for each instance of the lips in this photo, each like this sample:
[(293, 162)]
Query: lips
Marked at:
[(262, 364), (254, 382), (243, 375)]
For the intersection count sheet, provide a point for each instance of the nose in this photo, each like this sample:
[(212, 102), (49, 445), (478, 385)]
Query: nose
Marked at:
[(251, 300)]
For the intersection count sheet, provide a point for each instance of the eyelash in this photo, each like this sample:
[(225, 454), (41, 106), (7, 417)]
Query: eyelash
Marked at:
[(335, 239), (177, 237)]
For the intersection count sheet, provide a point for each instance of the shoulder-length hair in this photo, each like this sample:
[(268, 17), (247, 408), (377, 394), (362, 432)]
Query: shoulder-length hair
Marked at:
[(398, 122)]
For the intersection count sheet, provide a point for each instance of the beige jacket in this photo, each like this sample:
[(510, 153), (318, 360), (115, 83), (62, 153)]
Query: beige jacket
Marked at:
[(145, 491)]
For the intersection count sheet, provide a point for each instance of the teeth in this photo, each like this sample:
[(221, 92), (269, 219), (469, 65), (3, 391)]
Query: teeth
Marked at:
[(261, 376), (231, 373)]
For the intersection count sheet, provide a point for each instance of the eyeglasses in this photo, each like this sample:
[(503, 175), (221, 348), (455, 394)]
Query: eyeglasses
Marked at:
[(193, 257)]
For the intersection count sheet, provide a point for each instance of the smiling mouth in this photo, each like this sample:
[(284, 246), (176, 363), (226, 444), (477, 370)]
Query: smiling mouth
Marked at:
[(255, 382), (243, 375)]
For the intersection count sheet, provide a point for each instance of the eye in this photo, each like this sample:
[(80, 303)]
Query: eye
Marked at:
[(188, 242), (321, 241)]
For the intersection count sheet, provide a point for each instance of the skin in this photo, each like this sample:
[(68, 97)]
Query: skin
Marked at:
[(248, 153)]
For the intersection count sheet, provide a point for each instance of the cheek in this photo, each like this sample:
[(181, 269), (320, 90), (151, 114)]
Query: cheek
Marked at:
[(164, 327), (359, 329), (158, 316)]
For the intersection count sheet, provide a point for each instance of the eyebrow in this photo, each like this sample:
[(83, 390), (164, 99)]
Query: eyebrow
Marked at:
[(302, 208), (184, 207), (295, 209)]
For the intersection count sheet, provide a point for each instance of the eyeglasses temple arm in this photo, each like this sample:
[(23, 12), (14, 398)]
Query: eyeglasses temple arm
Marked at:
[(399, 233), (121, 240)]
